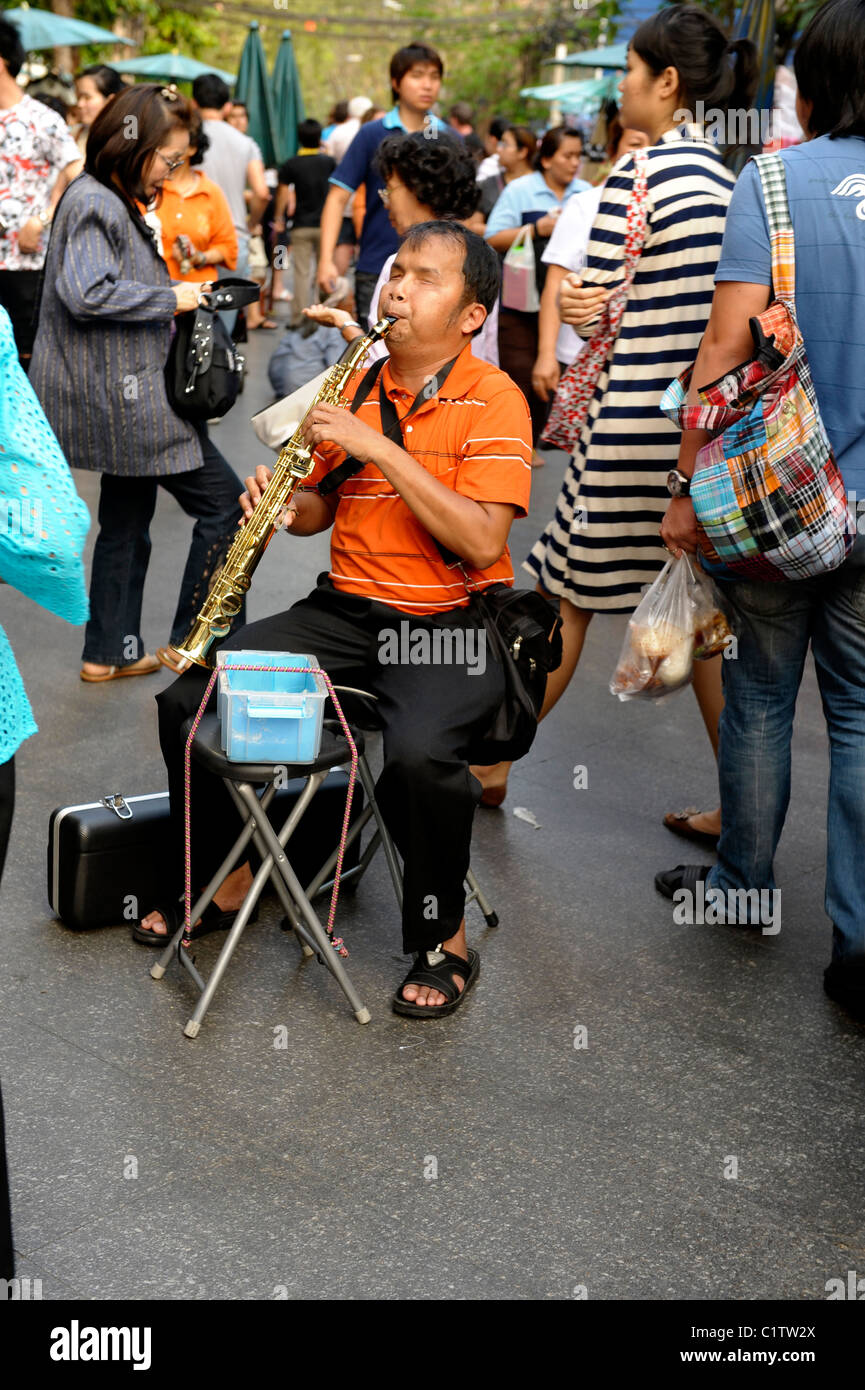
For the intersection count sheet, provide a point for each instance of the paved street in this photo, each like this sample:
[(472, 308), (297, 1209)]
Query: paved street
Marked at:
[(704, 1143)]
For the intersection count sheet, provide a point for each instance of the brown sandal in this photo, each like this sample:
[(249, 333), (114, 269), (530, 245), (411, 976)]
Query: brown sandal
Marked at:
[(145, 666), (678, 822)]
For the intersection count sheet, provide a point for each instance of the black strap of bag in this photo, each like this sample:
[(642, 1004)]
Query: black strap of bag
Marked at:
[(522, 628), (232, 292), (349, 465), (391, 423), (525, 620)]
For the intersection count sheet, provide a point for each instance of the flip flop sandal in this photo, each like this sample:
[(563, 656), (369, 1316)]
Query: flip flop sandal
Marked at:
[(677, 821), (170, 658), (436, 970), (685, 876), (145, 666), (212, 919)]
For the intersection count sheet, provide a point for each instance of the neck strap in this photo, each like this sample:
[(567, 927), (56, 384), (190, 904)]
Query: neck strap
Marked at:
[(390, 421)]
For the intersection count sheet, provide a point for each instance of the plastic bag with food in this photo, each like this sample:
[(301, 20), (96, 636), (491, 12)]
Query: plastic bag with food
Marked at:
[(657, 656), (711, 629)]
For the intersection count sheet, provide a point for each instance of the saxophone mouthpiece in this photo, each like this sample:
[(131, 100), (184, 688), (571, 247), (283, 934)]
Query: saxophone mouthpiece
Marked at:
[(383, 326)]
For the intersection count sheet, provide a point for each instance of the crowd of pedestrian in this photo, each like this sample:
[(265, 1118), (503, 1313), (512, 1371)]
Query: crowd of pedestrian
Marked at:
[(105, 239)]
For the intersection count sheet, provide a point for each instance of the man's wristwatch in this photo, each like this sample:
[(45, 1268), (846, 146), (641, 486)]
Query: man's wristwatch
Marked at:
[(45, 218), (678, 485)]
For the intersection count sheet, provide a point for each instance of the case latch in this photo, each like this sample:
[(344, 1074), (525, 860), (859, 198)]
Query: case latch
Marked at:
[(116, 804)]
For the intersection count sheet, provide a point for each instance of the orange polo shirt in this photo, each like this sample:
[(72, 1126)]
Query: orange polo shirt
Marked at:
[(204, 216), (476, 438)]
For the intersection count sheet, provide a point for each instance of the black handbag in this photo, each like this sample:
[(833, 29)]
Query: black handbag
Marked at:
[(524, 633), (204, 370)]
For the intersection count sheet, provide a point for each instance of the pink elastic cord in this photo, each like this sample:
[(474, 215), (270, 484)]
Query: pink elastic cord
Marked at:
[(336, 941)]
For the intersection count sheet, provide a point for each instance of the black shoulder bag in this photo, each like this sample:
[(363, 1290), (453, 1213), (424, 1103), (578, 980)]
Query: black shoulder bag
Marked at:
[(524, 634), (204, 370)]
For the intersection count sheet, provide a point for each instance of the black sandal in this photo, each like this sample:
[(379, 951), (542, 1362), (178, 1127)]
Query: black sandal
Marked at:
[(171, 914), (212, 919), (437, 973)]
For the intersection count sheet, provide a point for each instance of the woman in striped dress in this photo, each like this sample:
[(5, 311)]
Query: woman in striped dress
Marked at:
[(602, 546)]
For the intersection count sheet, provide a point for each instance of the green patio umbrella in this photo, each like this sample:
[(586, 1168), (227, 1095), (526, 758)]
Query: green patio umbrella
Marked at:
[(253, 88), (45, 29), (614, 55), (581, 98), (288, 109), (172, 67)]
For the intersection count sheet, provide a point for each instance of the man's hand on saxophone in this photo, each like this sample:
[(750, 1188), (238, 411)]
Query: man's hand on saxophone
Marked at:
[(305, 515), (333, 424)]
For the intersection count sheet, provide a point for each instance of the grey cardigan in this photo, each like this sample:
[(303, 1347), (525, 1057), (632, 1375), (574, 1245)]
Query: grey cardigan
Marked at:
[(103, 337)]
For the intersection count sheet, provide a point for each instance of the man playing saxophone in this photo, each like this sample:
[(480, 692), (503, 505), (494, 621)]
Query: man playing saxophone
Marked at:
[(437, 455)]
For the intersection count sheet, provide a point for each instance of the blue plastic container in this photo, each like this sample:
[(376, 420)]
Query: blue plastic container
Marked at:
[(270, 716), (258, 680)]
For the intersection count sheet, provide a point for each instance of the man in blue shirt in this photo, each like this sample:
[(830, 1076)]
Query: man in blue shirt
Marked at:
[(415, 75)]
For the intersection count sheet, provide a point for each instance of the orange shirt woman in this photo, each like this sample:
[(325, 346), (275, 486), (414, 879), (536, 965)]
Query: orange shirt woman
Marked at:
[(193, 206)]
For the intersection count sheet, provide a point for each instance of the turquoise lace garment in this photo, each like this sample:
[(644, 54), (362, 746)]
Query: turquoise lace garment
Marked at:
[(43, 525)]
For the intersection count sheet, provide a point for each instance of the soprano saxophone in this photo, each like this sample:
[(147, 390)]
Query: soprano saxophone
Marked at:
[(294, 464)]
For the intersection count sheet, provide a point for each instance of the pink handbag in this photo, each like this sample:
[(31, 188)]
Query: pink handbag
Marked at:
[(577, 385)]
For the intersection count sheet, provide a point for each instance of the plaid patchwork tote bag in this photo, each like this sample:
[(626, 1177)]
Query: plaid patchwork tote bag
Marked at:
[(577, 386), (768, 494)]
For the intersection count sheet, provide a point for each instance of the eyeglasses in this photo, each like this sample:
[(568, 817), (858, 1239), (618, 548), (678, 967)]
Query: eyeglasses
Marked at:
[(171, 164), (384, 194)]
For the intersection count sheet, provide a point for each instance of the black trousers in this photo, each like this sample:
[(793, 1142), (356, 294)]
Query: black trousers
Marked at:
[(122, 551), (7, 809), (18, 290), (433, 715), (518, 351)]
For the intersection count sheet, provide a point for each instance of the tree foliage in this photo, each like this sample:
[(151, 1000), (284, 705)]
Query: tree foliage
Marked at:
[(154, 27)]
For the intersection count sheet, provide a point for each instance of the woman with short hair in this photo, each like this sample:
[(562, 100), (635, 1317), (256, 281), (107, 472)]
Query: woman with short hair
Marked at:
[(424, 181)]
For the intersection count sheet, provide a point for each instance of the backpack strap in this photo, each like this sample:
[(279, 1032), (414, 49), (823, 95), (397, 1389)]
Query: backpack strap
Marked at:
[(774, 182)]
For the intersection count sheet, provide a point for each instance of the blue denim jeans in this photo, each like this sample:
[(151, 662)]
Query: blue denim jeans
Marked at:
[(775, 624), (122, 552)]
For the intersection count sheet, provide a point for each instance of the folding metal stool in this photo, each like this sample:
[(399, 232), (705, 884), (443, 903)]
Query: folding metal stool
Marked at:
[(241, 779)]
